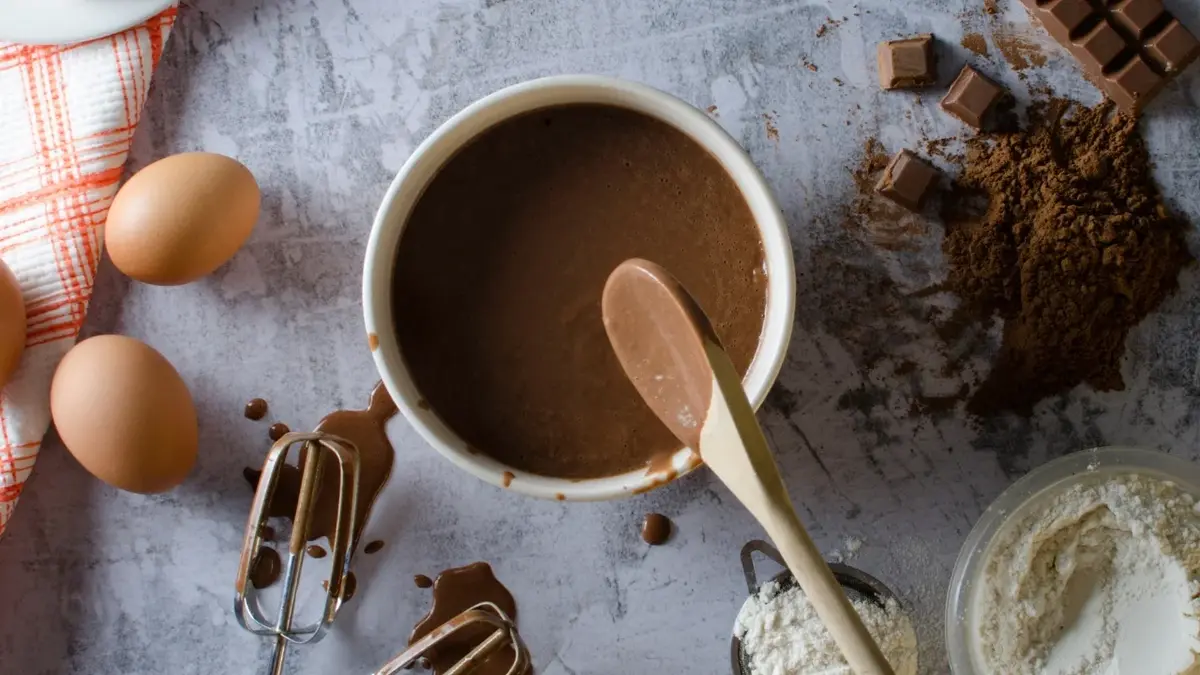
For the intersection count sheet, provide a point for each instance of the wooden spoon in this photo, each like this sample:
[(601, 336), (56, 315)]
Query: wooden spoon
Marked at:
[(671, 354)]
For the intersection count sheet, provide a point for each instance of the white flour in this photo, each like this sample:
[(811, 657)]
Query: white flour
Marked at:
[(1097, 581), (782, 635)]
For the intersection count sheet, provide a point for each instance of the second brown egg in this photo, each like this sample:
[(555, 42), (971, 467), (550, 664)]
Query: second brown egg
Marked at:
[(181, 217)]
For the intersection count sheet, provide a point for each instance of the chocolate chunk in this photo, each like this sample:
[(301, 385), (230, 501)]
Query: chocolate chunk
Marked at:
[(971, 96), (373, 547), (1130, 48), (422, 581), (907, 63), (906, 180)]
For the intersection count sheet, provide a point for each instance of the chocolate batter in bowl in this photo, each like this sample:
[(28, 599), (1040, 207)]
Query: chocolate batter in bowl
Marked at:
[(515, 391)]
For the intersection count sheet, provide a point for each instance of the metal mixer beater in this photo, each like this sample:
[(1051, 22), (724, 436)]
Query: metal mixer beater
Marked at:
[(315, 450)]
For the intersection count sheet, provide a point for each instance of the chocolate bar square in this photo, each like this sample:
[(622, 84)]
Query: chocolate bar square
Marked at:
[(907, 63), (971, 96), (1174, 48), (1136, 16), (1134, 84), (1099, 47), (907, 180), (1066, 15)]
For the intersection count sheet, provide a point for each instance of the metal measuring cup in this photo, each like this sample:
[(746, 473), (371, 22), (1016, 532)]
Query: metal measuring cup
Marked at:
[(858, 586)]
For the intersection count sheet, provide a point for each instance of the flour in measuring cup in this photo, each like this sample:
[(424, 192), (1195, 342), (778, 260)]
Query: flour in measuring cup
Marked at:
[(782, 635)]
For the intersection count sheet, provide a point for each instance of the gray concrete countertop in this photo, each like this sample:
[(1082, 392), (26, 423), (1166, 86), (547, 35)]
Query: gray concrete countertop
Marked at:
[(324, 100)]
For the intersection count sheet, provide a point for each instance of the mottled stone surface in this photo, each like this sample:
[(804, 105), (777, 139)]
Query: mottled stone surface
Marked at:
[(324, 100)]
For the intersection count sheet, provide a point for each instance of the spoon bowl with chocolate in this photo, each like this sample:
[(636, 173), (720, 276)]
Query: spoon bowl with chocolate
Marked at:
[(487, 261)]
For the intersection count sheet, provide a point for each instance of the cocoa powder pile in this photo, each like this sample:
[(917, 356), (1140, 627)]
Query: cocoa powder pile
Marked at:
[(1060, 230)]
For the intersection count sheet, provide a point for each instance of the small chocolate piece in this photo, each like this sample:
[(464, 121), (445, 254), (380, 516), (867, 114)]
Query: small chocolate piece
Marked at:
[(277, 431), (267, 532), (1129, 48), (256, 409), (656, 529), (315, 551), (971, 96), (906, 180), (266, 568), (422, 581), (907, 63), (349, 587), (373, 547)]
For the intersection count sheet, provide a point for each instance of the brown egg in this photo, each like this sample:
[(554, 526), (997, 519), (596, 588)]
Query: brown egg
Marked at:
[(125, 414), (12, 323), (181, 218)]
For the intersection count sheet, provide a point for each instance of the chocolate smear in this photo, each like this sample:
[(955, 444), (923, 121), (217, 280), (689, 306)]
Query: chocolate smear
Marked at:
[(365, 430), (455, 591), (266, 568)]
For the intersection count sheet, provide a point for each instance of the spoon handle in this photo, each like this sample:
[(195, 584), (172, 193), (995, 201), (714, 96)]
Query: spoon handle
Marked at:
[(752, 475), (823, 591)]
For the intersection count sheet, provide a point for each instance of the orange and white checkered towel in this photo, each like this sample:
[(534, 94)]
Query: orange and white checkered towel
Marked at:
[(67, 115)]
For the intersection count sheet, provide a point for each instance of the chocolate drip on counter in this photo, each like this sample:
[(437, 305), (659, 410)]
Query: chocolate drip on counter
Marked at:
[(656, 529), (266, 568), (455, 591), (256, 409), (364, 429)]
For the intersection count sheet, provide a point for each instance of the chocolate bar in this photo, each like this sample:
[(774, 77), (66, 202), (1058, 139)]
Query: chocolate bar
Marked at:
[(907, 63), (906, 180), (1129, 48), (971, 96)]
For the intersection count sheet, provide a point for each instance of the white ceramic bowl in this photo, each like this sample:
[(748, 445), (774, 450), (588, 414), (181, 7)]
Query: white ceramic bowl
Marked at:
[(424, 164)]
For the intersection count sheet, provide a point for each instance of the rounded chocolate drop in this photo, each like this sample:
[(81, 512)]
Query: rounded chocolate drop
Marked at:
[(277, 431), (656, 529), (256, 409)]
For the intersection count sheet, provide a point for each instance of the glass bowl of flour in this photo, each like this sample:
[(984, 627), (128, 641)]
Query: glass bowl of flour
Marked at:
[(1090, 564)]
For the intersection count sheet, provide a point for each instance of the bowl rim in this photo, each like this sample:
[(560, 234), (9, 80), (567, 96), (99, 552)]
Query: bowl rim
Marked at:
[(1017, 498), (422, 165)]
